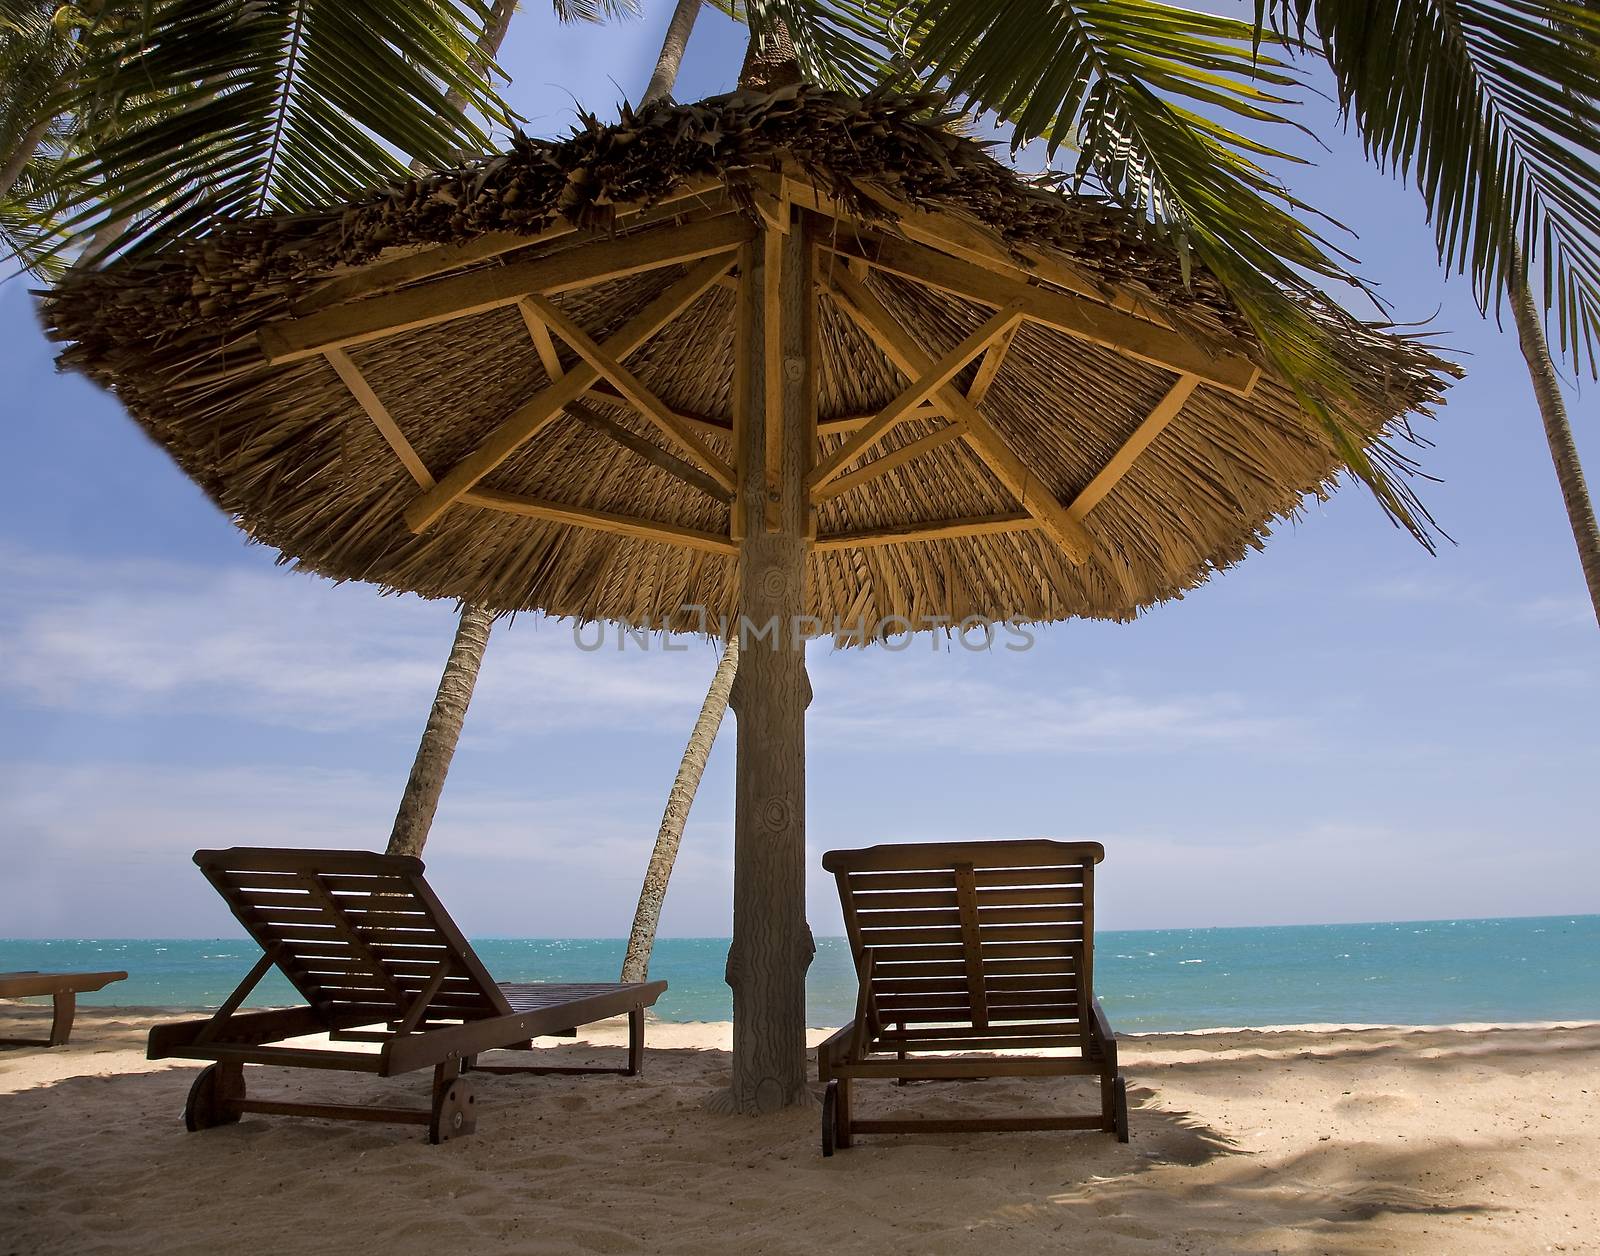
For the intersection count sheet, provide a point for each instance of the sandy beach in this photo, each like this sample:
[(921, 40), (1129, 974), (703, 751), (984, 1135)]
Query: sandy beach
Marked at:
[(1461, 1139)]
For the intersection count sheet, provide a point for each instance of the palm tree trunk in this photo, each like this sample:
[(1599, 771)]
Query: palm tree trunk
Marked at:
[(647, 916), (26, 147), (671, 59), (420, 801), (443, 730), (1557, 430)]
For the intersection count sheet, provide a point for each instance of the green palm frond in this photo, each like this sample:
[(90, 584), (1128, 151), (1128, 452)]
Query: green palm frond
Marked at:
[(1168, 108), (27, 236), (194, 110), (1165, 106), (1490, 108), (595, 10), (849, 45)]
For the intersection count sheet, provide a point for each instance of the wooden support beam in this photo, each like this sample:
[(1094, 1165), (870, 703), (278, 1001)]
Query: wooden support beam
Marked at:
[(772, 368), (651, 406), (889, 461), (706, 192), (1152, 426), (1063, 311), (843, 423), (943, 530), (811, 359), (746, 311), (598, 520), (993, 360), (773, 206), (919, 390), (651, 453), (542, 344), (289, 340), (903, 350), (380, 416), (705, 424), (521, 425), (595, 421), (974, 243)]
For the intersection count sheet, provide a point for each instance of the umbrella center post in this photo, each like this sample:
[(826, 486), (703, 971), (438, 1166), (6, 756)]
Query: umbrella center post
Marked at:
[(772, 943)]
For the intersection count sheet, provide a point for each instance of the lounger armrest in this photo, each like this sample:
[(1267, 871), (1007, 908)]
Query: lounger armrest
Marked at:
[(1106, 1040), (832, 1047), (434, 1046), (250, 1028)]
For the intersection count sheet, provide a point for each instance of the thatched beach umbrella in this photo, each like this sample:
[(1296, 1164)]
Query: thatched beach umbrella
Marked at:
[(777, 356)]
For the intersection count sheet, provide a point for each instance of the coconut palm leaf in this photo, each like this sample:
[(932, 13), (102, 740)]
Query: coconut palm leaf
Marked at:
[(1489, 107), (595, 10), (193, 110), (1172, 112), (850, 45), (36, 53)]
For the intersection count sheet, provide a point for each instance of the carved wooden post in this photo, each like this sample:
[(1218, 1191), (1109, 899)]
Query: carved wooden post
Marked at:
[(772, 944)]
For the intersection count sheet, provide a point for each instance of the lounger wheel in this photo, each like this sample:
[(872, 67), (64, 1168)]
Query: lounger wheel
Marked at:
[(1119, 1108), (830, 1116), (455, 1113), (214, 1098)]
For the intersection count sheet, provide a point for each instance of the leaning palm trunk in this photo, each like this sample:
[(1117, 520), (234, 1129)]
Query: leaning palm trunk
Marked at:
[(22, 155), (443, 730), (1557, 430), (670, 61), (647, 917), (420, 801)]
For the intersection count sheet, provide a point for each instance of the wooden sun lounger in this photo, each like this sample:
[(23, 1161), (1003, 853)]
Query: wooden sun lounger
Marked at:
[(63, 988), (965, 947), (378, 960)]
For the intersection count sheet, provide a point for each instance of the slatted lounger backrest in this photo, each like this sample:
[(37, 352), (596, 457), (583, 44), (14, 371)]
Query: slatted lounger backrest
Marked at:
[(972, 945), (356, 933)]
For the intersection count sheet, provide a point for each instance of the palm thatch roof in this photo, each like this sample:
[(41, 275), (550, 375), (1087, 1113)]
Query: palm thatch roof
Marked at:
[(334, 380)]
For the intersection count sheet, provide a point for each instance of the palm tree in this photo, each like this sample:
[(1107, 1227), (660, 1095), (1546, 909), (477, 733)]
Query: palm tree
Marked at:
[(1557, 430), (36, 56), (178, 114), (647, 916), (665, 75), (420, 800)]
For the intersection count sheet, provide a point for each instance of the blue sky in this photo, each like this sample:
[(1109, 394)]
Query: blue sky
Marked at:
[(1342, 728)]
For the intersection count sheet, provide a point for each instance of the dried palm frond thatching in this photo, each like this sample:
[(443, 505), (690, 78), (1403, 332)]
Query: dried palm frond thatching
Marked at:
[(287, 448)]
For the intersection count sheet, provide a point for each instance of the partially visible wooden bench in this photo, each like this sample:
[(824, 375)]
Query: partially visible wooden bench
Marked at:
[(965, 947), (63, 988), (378, 960)]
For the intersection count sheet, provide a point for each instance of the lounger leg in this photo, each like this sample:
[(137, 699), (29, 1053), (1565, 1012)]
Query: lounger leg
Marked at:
[(842, 1114), (1119, 1108), (454, 1105), (445, 1072), (215, 1096), (61, 1027), (636, 1042), (1108, 1099)]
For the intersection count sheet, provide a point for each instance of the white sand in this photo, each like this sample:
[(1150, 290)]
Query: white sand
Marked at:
[(1376, 1140)]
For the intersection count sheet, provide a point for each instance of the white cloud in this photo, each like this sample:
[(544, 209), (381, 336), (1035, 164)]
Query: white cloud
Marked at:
[(949, 706), (103, 848), (1559, 612), (286, 650), (293, 651)]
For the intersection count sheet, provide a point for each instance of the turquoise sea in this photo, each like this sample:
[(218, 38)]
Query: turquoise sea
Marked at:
[(1404, 973)]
